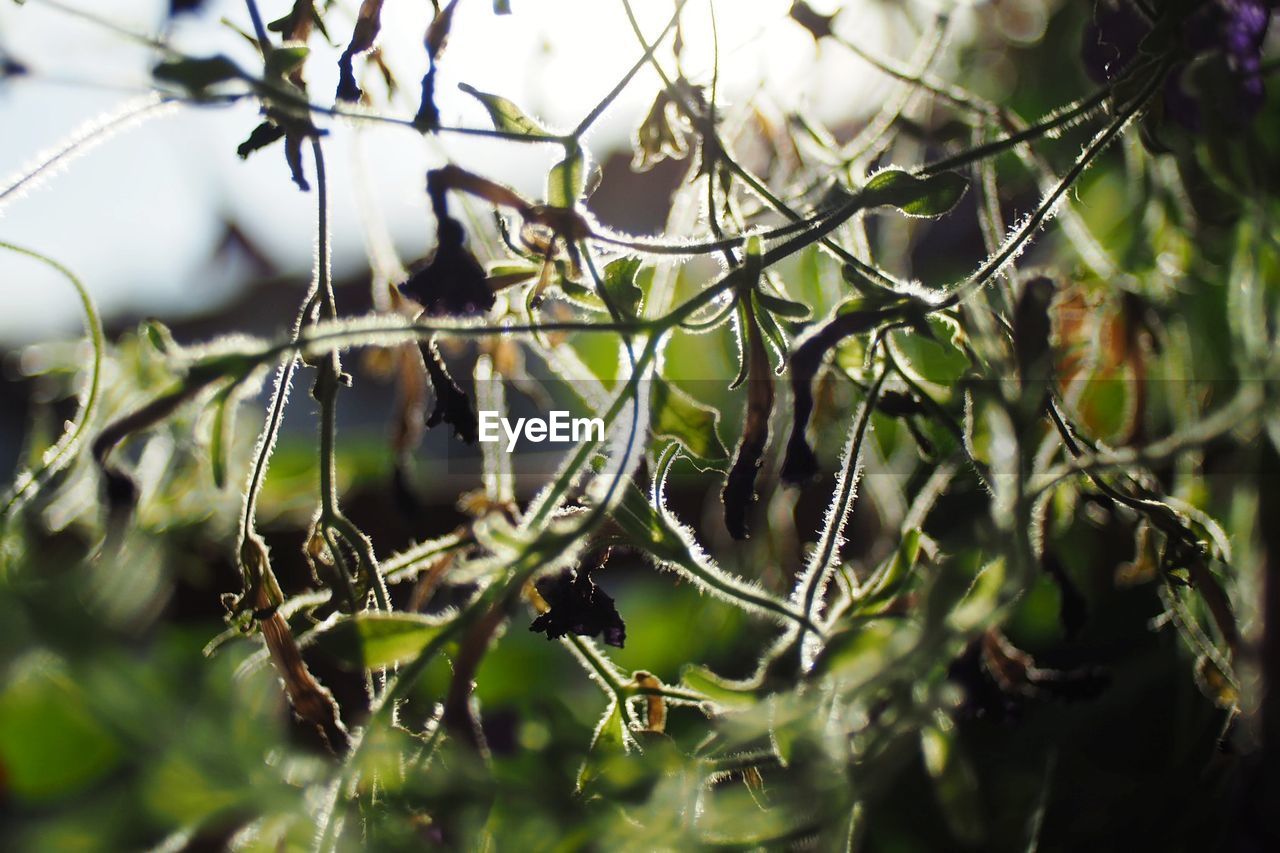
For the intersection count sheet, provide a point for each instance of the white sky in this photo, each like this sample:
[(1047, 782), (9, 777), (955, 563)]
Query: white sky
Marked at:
[(136, 216)]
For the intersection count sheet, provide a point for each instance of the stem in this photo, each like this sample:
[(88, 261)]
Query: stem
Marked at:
[(53, 460)]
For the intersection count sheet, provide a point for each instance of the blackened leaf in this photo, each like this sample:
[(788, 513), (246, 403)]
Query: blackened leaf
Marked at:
[(293, 156), (506, 116), (180, 7), (819, 26), (10, 67), (196, 75), (578, 606), (453, 282), (452, 406), (368, 23), (739, 491), (262, 136), (896, 404), (801, 464), (913, 195), (296, 26), (428, 118), (679, 416), (438, 32), (1032, 333)]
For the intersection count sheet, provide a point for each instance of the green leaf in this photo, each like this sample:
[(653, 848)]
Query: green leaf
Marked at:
[(51, 745), (501, 7), (937, 359), (620, 283), (783, 307), (858, 654), (286, 59), (610, 740), (955, 784), (677, 415), (715, 688), (566, 180), (220, 435), (893, 574), (981, 601), (913, 195), (372, 640), (198, 74), (506, 116), (646, 529)]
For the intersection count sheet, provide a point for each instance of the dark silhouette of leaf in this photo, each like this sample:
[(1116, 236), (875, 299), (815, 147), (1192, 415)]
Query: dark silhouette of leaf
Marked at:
[(262, 136), (368, 24), (739, 492), (801, 464), (819, 26), (578, 606), (452, 405), (198, 74)]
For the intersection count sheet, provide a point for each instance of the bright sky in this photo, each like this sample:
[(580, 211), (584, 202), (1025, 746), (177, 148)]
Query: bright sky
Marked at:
[(136, 216)]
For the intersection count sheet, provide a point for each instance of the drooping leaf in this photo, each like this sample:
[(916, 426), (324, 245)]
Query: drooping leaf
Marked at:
[(452, 405), (678, 415), (198, 74), (620, 284), (801, 464), (933, 195), (819, 26), (1032, 343), (783, 307), (286, 59), (372, 640), (506, 116), (566, 180), (720, 690), (739, 492), (220, 435), (427, 119), (262, 136), (365, 32), (438, 32)]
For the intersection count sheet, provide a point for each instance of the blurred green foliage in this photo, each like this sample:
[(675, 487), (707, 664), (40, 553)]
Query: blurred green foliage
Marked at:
[(1021, 608)]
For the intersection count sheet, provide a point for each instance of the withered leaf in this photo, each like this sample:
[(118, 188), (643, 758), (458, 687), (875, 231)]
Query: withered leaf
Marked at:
[(819, 26), (578, 606), (452, 405), (739, 491), (262, 136), (801, 464), (368, 23)]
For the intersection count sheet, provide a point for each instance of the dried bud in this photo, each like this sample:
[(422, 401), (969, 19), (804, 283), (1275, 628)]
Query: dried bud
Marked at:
[(453, 282)]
